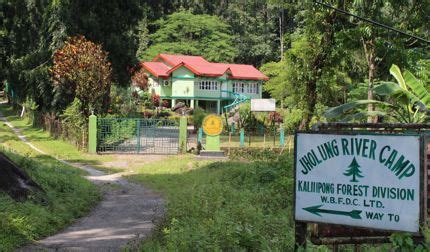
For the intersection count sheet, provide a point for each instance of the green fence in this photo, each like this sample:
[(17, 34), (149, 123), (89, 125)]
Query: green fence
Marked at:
[(137, 135), (258, 137)]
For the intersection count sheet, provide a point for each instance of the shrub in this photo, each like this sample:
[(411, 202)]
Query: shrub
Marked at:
[(140, 79), (74, 124), (81, 69), (121, 101), (155, 100)]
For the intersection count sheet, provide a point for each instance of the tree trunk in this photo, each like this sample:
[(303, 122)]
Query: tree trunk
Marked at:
[(15, 181), (281, 32), (326, 46), (370, 54)]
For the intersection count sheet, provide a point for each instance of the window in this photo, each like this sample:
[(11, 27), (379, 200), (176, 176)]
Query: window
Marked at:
[(250, 88), (166, 82), (208, 85), (239, 87)]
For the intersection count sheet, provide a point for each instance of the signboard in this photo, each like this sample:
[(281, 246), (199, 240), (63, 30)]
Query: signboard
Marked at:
[(358, 180), (212, 125), (263, 105)]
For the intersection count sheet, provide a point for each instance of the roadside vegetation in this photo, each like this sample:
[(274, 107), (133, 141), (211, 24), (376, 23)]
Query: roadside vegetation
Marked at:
[(244, 204), (66, 196), (241, 204), (222, 205)]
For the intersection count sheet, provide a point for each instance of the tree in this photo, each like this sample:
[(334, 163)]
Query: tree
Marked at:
[(407, 101), (354, 171), (81, 69), (186, 33), (109, 23)]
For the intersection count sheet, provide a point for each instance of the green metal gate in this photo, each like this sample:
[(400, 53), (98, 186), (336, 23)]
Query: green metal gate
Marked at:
[(137, 135)]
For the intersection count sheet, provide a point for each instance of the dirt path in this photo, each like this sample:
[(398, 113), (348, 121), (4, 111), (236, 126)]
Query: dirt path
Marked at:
[(125, 215)]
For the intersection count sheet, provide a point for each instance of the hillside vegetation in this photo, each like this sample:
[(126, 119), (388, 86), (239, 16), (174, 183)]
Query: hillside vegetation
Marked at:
[(67, 196)]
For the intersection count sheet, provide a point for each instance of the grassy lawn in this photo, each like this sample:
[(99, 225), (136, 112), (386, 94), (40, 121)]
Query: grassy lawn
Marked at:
[(67, 196), (222, 205)]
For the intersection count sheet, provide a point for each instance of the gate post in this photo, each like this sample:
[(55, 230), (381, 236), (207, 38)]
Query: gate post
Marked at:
[(138, 135), (281, 136), (242, 137), (200, 135), (183, 134), (92, 134)]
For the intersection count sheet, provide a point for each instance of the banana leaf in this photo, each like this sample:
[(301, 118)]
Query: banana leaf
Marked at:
[(341, 109), (393, 90), (417, 88), (363, 114), (397, 73)]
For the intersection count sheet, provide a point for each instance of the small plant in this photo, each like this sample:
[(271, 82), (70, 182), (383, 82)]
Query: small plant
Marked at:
[(404, 242), (155, 100), (140, 79)]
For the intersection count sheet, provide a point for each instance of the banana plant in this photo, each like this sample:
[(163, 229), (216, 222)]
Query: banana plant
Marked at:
[(406, 101)]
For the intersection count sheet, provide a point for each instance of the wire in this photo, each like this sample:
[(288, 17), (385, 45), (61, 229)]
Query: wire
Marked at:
[(372, 22)]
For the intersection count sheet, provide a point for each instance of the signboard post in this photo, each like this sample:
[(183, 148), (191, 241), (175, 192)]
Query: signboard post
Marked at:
[(212, 127), (360, 180)]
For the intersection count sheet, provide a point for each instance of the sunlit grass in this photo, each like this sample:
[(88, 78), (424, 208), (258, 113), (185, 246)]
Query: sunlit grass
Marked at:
[(68, 195)]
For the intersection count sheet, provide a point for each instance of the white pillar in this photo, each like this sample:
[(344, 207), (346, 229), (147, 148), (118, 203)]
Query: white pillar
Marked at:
[(192, 104), (196, 103), (173, 102)]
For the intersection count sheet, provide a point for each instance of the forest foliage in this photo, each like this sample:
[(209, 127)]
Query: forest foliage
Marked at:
[(316, 58)]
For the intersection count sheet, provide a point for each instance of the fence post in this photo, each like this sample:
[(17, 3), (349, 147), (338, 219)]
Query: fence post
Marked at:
[(281, 136), (183, 134), (242, 137), (92, 134), (200, 135), (138, 135)]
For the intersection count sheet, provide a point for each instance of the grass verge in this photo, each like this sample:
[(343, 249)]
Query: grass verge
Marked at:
[(68, 196), (215, 206)]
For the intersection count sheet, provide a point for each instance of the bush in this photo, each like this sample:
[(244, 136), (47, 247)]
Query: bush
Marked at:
[(119, 129), (74, 124), (81, 69), (121, 102)]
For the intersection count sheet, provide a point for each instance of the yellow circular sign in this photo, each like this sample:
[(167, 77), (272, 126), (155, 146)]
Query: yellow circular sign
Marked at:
[(212, 125)]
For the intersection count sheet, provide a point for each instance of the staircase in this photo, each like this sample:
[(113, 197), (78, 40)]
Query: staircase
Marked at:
[(238, 99)]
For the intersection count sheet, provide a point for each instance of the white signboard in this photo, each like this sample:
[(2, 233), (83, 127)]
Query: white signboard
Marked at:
[(263, 105), (358, 180)]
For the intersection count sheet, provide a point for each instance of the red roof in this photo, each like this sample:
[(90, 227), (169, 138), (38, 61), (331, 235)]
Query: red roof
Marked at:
[(164, 64), (158, 69)]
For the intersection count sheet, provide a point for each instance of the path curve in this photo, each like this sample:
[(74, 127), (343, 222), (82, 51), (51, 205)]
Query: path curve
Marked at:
[(126, 214)]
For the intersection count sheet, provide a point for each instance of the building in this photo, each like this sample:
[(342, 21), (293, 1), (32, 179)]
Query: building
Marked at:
[(200, 83)]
